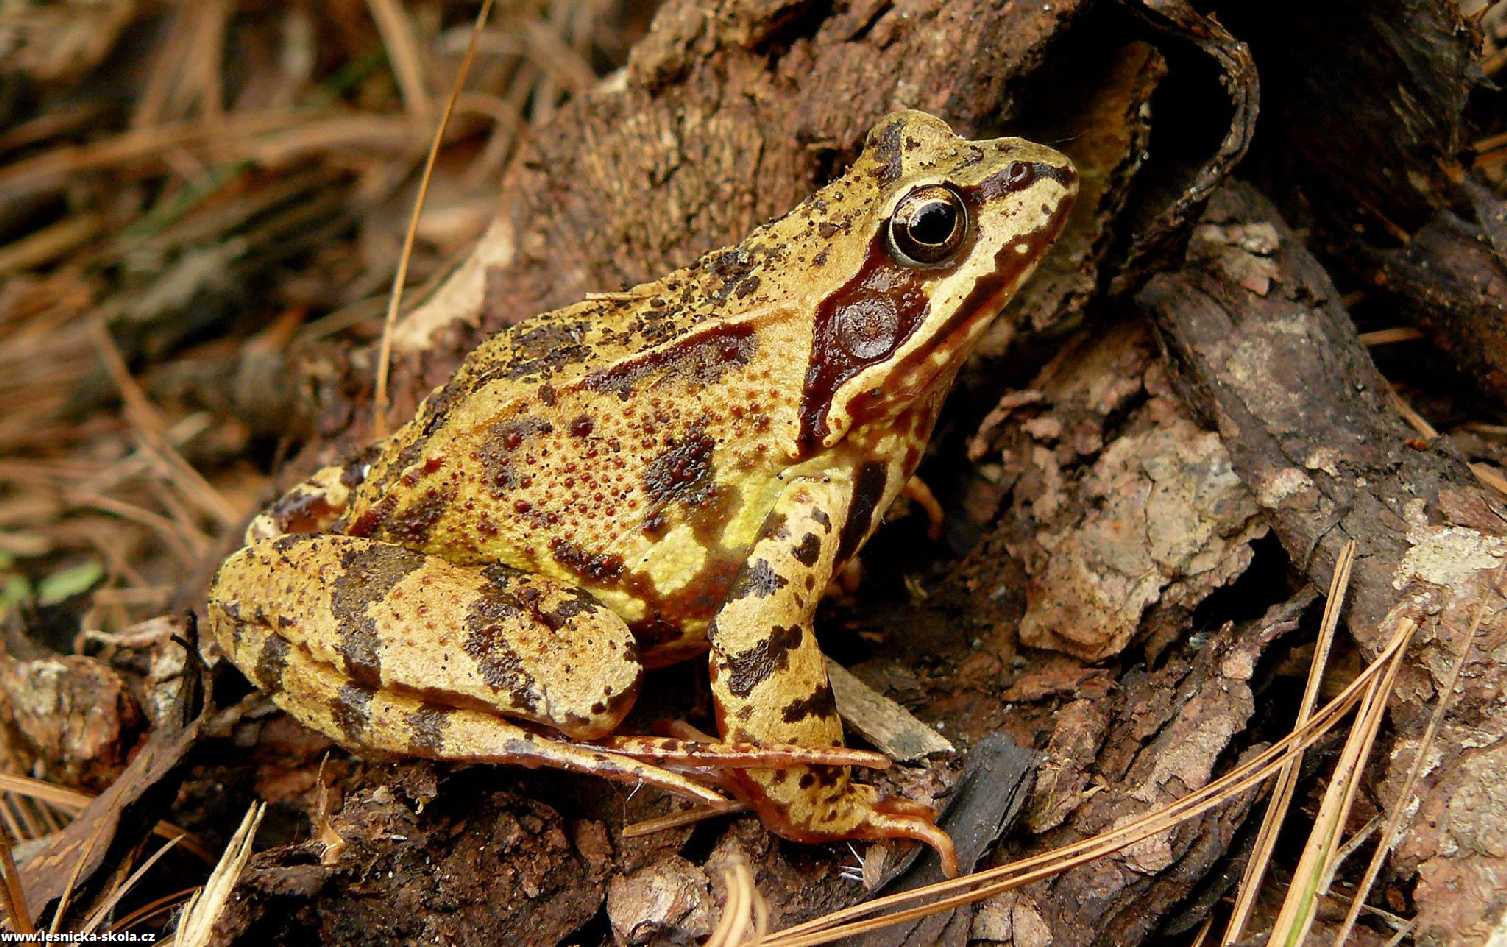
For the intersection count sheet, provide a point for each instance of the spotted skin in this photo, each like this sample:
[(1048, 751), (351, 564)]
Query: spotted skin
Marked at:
[(646, 477)]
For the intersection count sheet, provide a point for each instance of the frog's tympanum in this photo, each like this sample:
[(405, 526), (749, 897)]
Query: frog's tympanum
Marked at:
[(649, 476)]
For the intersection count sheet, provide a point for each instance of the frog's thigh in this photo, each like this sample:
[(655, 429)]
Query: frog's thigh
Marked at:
[(401, 723), (389, 619)]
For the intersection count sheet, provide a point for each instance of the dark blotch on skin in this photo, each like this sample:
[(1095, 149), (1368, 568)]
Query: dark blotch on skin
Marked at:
[(413, 525), (488, 623), (682, 473), (868, 490), (759, 579), (809, 550), (428, 730), (511, 434), (598, 567), (375, 517), (747, 670), (733, 268), (539, 347), (367, 574), (497, 448), (701, 359), (528, 597), (819, 703), (271, 663), (353, 710), (889, 153)]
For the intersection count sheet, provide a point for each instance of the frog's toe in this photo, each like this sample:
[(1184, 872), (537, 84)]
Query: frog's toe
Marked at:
[(900, 818)]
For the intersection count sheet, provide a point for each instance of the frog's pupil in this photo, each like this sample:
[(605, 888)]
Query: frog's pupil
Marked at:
[(933, 223)]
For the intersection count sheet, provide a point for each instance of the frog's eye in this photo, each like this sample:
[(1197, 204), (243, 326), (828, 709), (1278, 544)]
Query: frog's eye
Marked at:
[(929, 226)]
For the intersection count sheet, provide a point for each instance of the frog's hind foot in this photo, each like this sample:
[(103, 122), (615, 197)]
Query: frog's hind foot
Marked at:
[(856, 811)]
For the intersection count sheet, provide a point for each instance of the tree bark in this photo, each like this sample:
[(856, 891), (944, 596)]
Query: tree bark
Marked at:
[(1264, 349)]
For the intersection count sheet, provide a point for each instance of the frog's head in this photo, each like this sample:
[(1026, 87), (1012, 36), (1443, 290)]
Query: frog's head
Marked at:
[(943, 232)]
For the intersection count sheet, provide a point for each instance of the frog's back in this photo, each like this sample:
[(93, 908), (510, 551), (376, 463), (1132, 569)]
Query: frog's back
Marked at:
[(630, 444)]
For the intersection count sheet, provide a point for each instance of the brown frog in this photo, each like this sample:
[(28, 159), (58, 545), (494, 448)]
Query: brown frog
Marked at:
[(649, 476)]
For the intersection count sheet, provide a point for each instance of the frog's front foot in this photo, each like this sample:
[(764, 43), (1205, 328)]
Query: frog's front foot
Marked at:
[(835, 809)]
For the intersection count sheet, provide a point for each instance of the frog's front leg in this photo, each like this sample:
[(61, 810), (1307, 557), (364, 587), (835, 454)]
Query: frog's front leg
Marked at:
[(770, 685), (387, 649)]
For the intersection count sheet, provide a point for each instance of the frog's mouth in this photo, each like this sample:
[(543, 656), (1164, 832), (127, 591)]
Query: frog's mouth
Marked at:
[(1014, 262)]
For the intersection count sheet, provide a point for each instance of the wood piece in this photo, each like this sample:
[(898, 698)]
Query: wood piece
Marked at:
[(1398, 83), (1160, 219), (990, 797), (1265, 351), (1451, 281), (1161, 733), (1121, 538), (1389, 195), (134, 800), (893, 730)]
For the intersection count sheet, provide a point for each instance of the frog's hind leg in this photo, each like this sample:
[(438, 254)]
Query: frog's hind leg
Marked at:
[(405, 724), (391, 618), (718, 754), (385, 647)]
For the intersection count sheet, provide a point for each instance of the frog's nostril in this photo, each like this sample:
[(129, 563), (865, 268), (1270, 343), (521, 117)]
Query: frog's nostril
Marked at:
[(1063, 174)]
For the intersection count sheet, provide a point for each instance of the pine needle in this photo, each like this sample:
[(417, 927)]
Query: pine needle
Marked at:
[(676, 819), (16, 914), (395, 300), (72, 801), (121, 890), (1287, 780), (1394, 818)]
